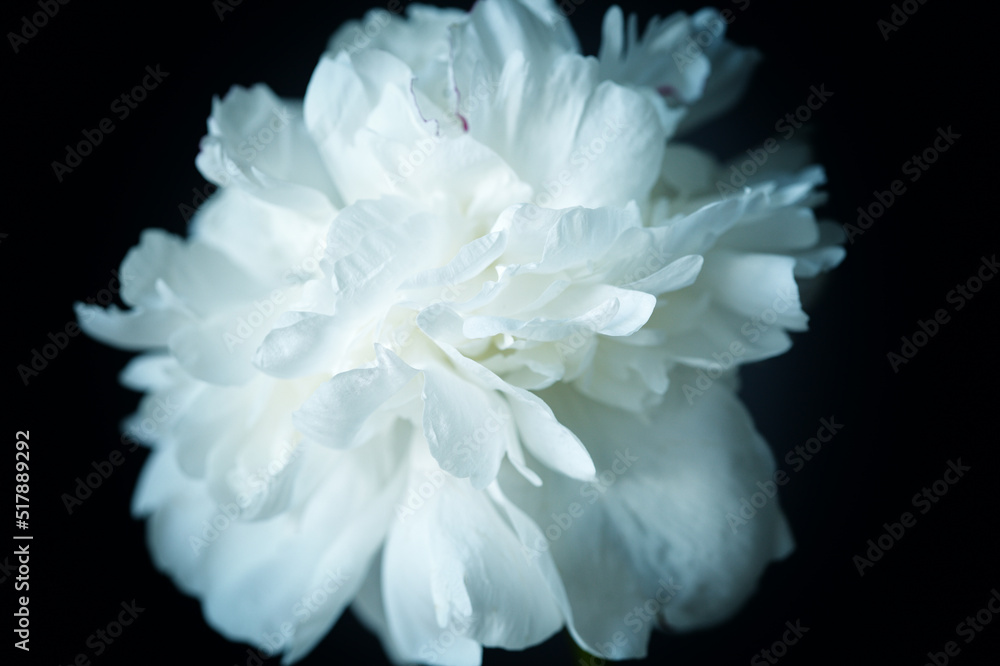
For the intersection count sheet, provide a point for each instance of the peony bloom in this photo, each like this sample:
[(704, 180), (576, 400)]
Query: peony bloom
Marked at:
[(438, 347)]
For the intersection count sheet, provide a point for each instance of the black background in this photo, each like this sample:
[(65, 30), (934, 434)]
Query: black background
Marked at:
[(889, 99)]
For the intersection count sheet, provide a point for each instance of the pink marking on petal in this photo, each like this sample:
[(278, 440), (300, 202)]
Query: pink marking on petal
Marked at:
[(454, 84), (413, 95), (667, 91)]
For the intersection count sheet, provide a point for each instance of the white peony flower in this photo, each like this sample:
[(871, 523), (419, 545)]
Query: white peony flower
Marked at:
[(437, 346)]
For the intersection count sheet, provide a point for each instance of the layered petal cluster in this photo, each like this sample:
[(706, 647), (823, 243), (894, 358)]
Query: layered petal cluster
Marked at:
[(430, 349)]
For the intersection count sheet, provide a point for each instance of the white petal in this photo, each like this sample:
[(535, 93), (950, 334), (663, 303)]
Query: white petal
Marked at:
[(692, 462), (471, 260), (274, 244), (370, 611), (336, 412), (186, 270), (630, 377), (465, 426), (540, 84), (455, 578), (580, 235), (135, 329), (731, 68), (547, 439), (300, 343), (356, 107), (259, 143), (675, 275), (788, 228), (204, 350), (373, 246), (755, 284), (827, 254), (241, 569)]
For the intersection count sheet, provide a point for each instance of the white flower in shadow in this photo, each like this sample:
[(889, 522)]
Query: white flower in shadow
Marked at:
[(448, 302)]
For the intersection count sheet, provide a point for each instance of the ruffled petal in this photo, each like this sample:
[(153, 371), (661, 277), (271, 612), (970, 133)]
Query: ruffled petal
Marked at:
[(689, 564), (335, 413), (259, 143), (455, 579), (542, 84)]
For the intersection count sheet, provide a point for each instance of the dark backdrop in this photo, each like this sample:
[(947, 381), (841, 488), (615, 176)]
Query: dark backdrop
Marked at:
[(890, 96)]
